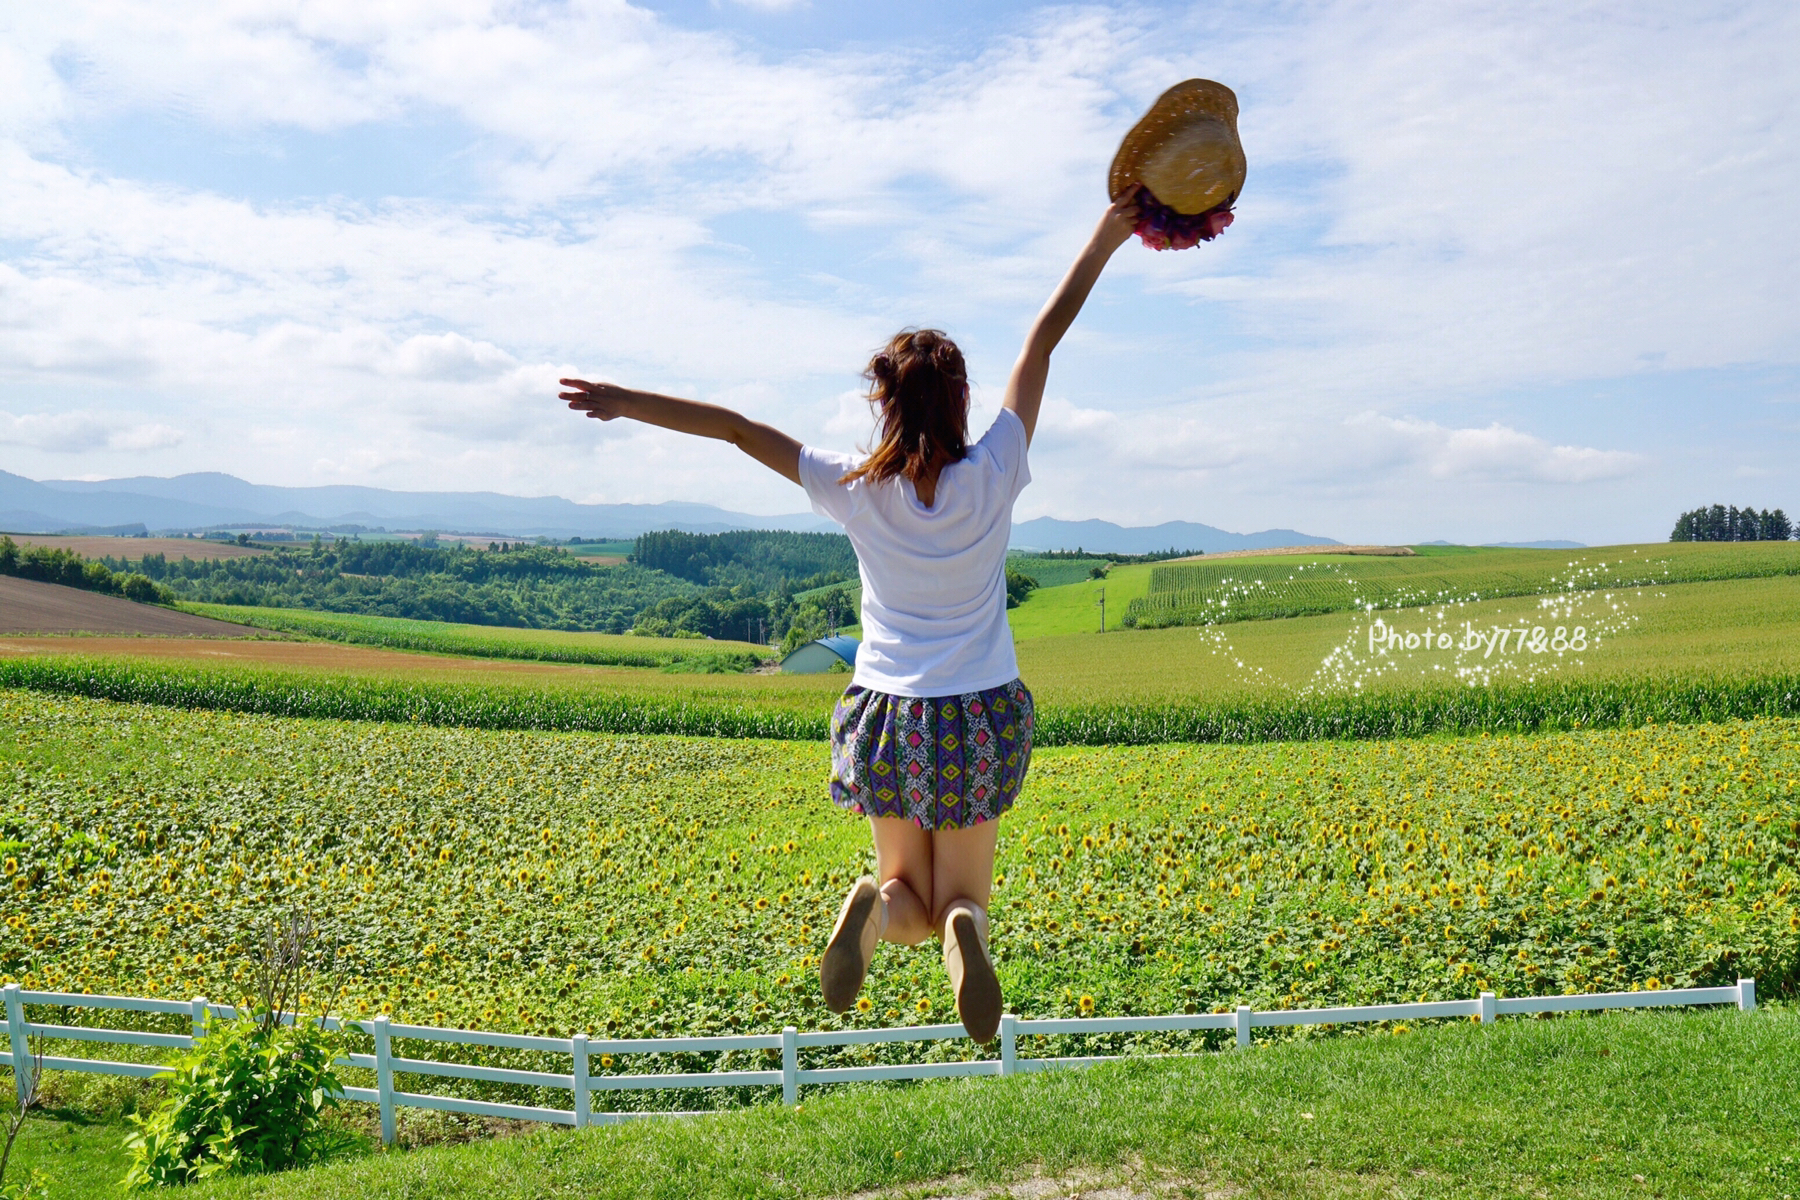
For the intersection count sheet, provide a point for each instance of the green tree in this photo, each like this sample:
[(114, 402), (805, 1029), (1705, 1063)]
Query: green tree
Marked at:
[(1018, 586)]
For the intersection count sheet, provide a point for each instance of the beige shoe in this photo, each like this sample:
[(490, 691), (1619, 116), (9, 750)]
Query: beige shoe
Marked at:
[(845, 962), (978, 999)]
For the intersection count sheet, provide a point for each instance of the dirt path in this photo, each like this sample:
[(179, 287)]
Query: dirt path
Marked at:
[(1126, 1183)]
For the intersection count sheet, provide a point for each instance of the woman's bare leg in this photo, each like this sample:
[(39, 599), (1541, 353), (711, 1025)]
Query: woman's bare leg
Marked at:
[(903, 868), (962, 878), (962, 867)]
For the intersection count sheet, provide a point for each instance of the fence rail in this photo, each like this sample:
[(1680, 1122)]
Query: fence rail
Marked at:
[(580, 1049)]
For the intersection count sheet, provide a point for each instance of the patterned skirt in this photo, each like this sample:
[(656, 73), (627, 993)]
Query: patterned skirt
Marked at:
[(946, 762)]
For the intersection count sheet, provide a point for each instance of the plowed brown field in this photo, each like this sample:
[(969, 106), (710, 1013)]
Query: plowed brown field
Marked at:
[(27, 606), (133, 548)]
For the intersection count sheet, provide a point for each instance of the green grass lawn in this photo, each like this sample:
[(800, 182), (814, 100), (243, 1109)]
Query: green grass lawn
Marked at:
[(1202, 592), (1075, 607), (1686, 1106), (1745, 626), (592, 549), (80, 1157)]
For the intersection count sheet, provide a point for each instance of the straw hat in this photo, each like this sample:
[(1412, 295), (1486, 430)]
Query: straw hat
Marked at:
[(1185, 150)]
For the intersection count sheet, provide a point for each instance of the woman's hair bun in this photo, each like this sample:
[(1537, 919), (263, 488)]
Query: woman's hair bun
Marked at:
[(881, 367)]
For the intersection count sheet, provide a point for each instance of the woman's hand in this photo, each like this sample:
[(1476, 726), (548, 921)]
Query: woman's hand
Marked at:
[(602, 400), (1119, 221), (767, 445)]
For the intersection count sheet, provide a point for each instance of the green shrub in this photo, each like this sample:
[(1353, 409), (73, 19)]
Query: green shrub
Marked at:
[(248, 1098), (138, 587), (34, 1186), (53, 565), (1018, 586)]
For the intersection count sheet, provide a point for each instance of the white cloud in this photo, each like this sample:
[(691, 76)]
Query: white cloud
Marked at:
[(81, 431), (1493, 452), (1447, 203), (851, 417), (140, 438), (449, 357)]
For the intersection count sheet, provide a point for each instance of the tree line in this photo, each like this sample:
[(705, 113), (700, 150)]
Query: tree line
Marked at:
[(738, 585), (763, 559), (750, 581), (48, 564), (759, 586), (1722, 523)]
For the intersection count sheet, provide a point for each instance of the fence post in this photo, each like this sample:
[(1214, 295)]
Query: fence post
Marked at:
[(1243, 1027), (578, 1044), (1747, 995), (21, 1041), (384, 1077), (1009, 1044), (199, 1014), (1490, 1008), (790, 1065)]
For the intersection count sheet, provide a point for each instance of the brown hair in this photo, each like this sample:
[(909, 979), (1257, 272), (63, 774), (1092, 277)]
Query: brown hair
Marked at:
[(920, 389)]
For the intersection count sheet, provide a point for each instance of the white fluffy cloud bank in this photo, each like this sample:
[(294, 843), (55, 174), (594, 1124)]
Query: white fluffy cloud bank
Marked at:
[(1454, 211)]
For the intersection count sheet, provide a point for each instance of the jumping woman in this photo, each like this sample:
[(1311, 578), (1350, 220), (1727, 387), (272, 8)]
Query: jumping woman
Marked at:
[(932, 739)]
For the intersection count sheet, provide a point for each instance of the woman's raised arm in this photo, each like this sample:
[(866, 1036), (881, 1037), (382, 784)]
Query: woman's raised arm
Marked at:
[(1025, 389), (766, 444)]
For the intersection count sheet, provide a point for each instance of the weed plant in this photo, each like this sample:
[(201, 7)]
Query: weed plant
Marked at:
[(252, 1094)]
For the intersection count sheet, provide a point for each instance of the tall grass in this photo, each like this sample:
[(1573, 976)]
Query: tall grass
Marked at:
[(365, 698), (478, 641), (1554, 704)]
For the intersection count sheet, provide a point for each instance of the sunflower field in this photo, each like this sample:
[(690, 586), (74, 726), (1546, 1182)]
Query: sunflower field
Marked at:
[(635, 885)]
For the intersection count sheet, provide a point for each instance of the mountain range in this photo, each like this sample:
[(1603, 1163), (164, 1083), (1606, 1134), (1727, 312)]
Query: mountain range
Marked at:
[(214, 500)]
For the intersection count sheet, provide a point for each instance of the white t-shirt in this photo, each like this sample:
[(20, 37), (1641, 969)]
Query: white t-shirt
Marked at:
[(933, 579)]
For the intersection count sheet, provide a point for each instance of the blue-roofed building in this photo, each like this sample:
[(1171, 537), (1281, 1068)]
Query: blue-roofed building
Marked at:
[(816, 658)]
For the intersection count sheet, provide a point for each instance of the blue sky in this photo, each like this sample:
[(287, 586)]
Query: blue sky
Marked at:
[(1500, 272)]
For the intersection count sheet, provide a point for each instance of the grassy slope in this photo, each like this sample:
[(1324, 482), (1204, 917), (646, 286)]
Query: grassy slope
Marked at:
[(1053, 572), (1253, 589), (1734, 627), (1075, 607), (1683, 1105)]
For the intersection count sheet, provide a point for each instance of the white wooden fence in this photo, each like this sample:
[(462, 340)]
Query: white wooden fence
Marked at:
[(582, 1084)]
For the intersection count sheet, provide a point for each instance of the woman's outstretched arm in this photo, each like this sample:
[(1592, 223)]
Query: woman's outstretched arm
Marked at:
[(766, 444), (1025, 389)]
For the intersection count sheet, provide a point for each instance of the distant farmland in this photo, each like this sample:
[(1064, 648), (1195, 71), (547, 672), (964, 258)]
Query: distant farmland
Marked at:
[(133, 549), (1202, 593), (27, 606)]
